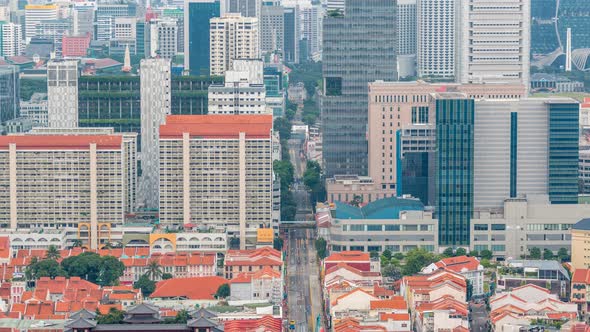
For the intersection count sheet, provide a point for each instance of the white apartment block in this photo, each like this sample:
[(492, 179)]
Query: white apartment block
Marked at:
[(5, 13), (406, 27), (237, 96), (12, 39), (232, 37), (494, 41), (62, 93), (129, 155), (216, 170), (436, 38), (312, 29), (163, 38), (62, 181), (155, 105), (35, 14)]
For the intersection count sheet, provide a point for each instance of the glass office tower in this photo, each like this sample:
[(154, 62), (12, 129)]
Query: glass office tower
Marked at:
[(197, 14)]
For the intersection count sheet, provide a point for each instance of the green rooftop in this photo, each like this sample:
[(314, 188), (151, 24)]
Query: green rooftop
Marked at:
[(385, 208)]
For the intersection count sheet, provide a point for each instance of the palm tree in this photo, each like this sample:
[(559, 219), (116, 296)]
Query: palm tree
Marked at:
[(154, 270), (52, 253), (77, 243)]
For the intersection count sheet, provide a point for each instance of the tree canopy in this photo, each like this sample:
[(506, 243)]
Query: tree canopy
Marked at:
[(223, 291), (535, 253), (146, 285), (104, 271), (416, 260)]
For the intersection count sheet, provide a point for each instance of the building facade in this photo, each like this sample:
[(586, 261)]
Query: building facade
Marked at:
[(494, 42), (35, 14), (62, 93), (155, 105), (344, 104), (105, 15), (232, 37), (406, 27), (62, 181), (163, 38), (437, 45), (237, 192), (272, 28), (9, 93), (237, 96), (197, 14), (12, 39)]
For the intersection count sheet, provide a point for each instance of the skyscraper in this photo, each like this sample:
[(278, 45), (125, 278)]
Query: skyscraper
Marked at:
[(62, 93), (163, 37), (9, 93), (272, 28), (437, 39), (494, 42), (35, 14), (406, 26), (350, 61), (312, 28), (291, 35), (11, 42), (232, 37), (197, 14), (105, 18), (155, 105), (454, 167)]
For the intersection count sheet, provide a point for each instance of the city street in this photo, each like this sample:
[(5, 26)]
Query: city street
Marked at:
[(304, 293)]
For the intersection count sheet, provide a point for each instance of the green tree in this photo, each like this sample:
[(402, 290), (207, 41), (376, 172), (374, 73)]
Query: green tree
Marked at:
[(94, 268), (416, 260), (181, 318), (114, 316), (563, 255), (277, 243), (52, 253), (145, 284), (460, 252), (283, 127), (486, 254), (392, 272), (154, 270), (387, 254), (223, 291), (284, 170), (166, 276), (234, 242), (374, 254), (448, 252), (398, 256), (321, 247), (76, 243), (474, 253), (547, 254), (44, 268), (111, 269), (312, 179), (535, 253)]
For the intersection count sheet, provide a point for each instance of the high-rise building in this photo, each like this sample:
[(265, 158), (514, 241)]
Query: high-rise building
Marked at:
[(407, 37), (525, 147), (155, 105), (9, 93), (232, 37), (436, 50), (54, 30), (62, 93), (454, 167), (75, 46), (105, 18), (237, 96), (178, 14), (163, 37), (83, 19), (291, 32), (197, 14), (494, 41), (350, 61), (247, 8), (62, 181), (11, 43), (35, 14), (312, 29), (216, 170), (272, 28)]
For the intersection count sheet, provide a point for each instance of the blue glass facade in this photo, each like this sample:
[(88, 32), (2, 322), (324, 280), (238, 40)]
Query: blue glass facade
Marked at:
[(454, 169), (198, 16), (563, 153)]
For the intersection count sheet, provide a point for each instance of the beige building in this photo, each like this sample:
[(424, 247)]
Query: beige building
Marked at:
[(216, 170), (64, 181), (581, 244), (232, 37), (397, 105), (349, 188)]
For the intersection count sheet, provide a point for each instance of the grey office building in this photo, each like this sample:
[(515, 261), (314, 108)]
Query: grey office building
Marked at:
[(359, 47)]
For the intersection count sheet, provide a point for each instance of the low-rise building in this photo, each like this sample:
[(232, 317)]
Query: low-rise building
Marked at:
[(237, 261), (547, 274), (443, 314), (426, 288), (580, 291), (469, 267), (264, 285), (354, 188), (179, 265), (187, 291), (523, 304), (581, 244), (356, 259)]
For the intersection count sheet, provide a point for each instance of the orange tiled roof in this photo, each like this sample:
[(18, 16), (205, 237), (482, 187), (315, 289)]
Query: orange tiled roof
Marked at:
[(262, 256), (265, 323), (581, 276), (383, 316), (61, 142), (396, 303), (342, 265), (197, 288), (459, 263), (4, 247), (217, 126), (348, 256), (444, 303), (353, 325)]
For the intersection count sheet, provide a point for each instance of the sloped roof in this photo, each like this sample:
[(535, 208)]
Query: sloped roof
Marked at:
[(197, 288), (266, 323), (459, 263)]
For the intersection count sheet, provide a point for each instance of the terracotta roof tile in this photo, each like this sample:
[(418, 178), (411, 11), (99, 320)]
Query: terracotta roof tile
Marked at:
[(266, 324), (348, 256), (61, 142), (198, 288), (217, 126)]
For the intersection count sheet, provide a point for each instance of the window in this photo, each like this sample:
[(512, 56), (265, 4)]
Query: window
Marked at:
[(374, 248), (480, 227), (357, 228), (498, 247), (391, 227), (498, 227), (374, 228), (480, 247)]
